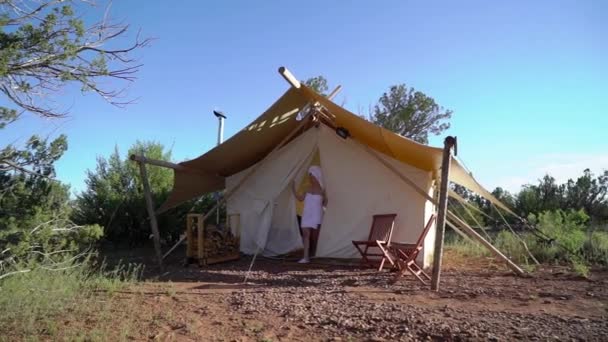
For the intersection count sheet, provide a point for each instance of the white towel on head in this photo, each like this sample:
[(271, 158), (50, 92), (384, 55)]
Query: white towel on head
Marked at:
[(315, 171)]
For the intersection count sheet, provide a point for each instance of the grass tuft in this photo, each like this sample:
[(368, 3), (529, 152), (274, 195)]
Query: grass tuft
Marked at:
[(34, 304)]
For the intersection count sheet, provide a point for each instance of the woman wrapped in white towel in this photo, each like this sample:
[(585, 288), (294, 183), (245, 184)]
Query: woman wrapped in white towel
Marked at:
[(314, 200)]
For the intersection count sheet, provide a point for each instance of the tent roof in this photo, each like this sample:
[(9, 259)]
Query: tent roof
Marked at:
[(255, 141)]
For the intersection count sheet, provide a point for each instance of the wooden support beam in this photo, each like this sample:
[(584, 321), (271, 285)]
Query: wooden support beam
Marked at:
[(472, 233), (457, 230), (289, 77), (200, 240), (442, 208), (334, 92), (169, 165), (156, 162), (228, 194), (151, 213)]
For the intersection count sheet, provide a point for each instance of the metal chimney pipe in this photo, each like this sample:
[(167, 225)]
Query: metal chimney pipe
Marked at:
[(220, 139), (220, 128)]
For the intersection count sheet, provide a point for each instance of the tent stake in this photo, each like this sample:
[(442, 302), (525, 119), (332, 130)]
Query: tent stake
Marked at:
[(251, 172), (151, 213), (448, 144)]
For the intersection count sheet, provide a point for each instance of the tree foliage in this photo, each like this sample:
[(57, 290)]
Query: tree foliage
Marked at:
[(471, 213), (27, 195), (114, 197), (45, 45), (35, 210), (318, 84), (410, 113), (588, 193)]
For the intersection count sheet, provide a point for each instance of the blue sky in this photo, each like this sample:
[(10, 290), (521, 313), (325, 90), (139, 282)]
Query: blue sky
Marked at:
[(527, 81)]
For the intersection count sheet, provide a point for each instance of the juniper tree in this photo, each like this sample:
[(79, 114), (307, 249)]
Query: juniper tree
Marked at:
[(46, 46), (410, 113)]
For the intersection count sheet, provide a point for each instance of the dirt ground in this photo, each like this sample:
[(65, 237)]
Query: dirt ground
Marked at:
[(325, 301)]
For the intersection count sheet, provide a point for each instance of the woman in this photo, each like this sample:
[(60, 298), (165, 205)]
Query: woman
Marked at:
[(314, 199)]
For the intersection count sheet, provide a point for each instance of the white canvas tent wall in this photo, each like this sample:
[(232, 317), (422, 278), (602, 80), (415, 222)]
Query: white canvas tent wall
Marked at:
[(358, 187)]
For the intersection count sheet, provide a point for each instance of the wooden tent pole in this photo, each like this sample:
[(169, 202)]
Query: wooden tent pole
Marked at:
[(334, 92), (151, 213), (169, 165), (448, 144), (249, 174), (457, 230), (289, 77), (156, 162)]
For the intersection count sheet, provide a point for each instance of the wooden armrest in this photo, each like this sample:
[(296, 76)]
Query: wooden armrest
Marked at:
[(399, 245), (360, 242)]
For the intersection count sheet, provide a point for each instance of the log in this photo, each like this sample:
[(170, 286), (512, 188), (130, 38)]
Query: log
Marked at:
[(334, 92), (289, 77), (169, 165), (442, 208), (457, 230), (151, 213), (200, 240)]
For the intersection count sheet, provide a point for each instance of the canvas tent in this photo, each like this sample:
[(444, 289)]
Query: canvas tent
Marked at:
[(364, 176)]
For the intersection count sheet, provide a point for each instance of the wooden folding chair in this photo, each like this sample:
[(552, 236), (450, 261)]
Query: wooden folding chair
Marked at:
[(380, 235), (405, 255)]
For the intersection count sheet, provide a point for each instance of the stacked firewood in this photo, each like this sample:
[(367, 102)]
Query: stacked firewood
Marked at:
[(220, 242), (215, 245)]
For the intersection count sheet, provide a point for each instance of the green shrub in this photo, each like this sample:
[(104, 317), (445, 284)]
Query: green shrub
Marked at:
[(463, 246), (511, 246), (114, 198), (596, 248), (567, 228), (580, 268), (52, 244), (570, 241)]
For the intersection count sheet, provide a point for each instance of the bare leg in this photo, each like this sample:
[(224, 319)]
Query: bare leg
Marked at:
[(314, 239), (306, 241)]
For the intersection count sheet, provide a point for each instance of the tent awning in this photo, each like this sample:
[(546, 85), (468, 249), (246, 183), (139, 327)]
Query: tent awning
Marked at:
[(256, 140)]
